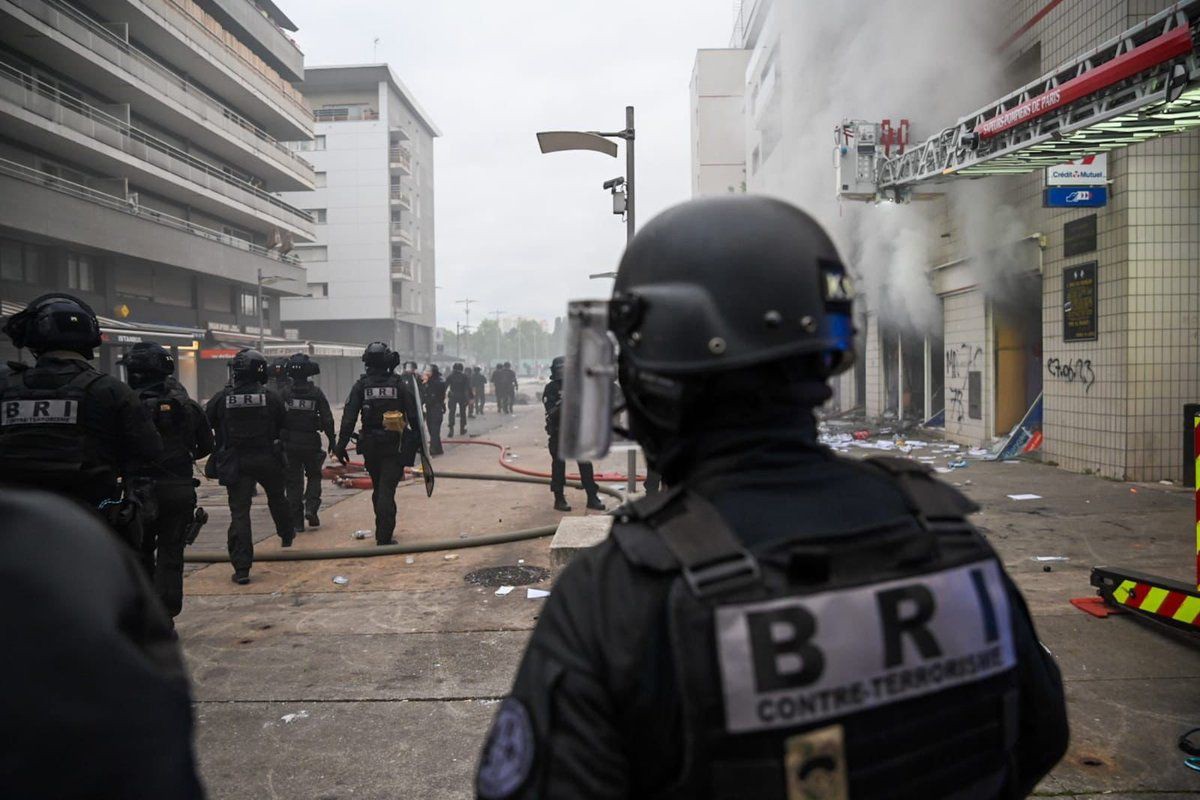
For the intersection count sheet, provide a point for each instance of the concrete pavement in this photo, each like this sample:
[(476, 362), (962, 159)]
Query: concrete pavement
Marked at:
[(384, 688)]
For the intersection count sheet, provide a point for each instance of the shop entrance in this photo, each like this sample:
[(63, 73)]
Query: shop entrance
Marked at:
[(1018, 361)]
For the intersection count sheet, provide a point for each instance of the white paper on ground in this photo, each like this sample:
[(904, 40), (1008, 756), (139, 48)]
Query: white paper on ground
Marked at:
[(1024, 497), (1051, 558), (535, 594), (503, 590)]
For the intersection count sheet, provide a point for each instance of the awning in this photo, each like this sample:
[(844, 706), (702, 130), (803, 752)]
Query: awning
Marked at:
[(120, 333)]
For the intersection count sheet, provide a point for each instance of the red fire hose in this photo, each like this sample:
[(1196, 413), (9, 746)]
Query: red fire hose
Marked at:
[(350, 475)]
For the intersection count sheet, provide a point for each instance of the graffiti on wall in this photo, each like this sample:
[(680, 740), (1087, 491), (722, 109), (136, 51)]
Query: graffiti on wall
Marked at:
[(961, 361), (1077, 371)]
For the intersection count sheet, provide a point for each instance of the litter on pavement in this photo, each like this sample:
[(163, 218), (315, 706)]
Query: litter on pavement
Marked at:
[(287, 719), (503, 590), (1024, 497), (341, 580), (361, 534), (536, 594), (1051, 558)]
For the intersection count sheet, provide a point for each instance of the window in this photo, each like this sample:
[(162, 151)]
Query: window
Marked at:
[(318, 290), (173, 288), (249, 305), (81, 274), (20, 262), (312, 254), (135, 281), (11, 268), (318, 143), (319, 179), (237, 233), (215, 296), (318, 215)]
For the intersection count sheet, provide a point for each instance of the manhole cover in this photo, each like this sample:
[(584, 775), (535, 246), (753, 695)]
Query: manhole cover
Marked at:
[(507, 576)]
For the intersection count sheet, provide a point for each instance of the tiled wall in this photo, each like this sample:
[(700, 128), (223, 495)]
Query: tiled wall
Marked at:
[(1125, 420), (968, 348), (876, 399)]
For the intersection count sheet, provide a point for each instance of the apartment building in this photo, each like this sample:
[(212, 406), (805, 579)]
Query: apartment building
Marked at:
[(141, 156), (1084, 316), (371, 267)]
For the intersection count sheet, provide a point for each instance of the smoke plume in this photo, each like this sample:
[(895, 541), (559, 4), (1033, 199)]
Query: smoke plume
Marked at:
[(928, 61)]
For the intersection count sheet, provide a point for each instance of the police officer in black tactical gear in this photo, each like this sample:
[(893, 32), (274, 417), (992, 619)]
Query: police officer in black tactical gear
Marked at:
[(64, 426), (378, 395), (277, 374), (781, 622), (478, 390), (434, 397), (458, 387), (186, 436), (552, 403), (248, 420), (308, 416)]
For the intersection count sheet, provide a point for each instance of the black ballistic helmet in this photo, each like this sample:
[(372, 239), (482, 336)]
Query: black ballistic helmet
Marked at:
[(148, 363), (55, 322), (556, 368), (249, 366), (729, 282), (278, 368), (300, 367), (458, 368), (379, 355)]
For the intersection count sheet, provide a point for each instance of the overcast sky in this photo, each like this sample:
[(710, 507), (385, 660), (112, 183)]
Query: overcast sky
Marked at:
[(516, 230)]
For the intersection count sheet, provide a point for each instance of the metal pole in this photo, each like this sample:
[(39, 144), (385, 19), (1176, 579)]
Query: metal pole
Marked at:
[(630, 228), (260, 311)]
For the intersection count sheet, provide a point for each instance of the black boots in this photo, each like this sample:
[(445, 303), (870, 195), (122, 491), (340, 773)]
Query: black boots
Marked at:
[(594, 502), (241, 577), (313, 520), (560, 502)]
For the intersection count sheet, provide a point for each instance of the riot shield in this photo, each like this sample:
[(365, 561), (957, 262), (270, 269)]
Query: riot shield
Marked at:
[(426, 465)]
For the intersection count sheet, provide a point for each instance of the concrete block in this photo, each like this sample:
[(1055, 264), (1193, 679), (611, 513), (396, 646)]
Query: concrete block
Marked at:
[(575, 534)]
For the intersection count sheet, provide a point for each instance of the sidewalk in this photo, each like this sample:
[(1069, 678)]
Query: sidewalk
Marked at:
[(393, 678)]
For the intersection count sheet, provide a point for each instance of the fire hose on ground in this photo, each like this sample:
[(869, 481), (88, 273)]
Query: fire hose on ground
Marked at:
[(413, 547), (337, 473)]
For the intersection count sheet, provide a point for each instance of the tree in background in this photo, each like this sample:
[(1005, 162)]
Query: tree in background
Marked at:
[(526, 344)]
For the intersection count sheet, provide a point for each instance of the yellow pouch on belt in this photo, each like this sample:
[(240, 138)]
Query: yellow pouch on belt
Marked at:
[(393, 421)]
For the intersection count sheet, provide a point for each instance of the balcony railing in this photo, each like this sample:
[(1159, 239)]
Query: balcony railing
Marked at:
[(49, 102), (345, 114), (402, 268), (217, 34), (130, 206), (88, 33), (400, 155), (399, 231), (401, 198)]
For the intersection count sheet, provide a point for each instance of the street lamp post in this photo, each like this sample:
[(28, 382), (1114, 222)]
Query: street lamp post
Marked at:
[(599, 142), (267, 281)]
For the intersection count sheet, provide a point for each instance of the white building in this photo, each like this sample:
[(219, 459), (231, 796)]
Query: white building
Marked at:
[(371, 268), (718, 122), (140, 152)]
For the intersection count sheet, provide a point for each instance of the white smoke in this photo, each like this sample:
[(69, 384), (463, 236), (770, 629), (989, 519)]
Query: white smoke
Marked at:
[(928, 61)]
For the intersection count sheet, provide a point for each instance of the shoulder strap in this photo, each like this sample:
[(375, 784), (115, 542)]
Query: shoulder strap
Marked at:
[(936, 506), (712, 559)]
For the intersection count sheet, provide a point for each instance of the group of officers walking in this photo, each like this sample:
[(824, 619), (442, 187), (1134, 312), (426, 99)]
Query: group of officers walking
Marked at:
[(758, 630)]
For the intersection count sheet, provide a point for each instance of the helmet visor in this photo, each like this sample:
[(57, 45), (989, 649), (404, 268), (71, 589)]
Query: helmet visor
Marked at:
[(589, 376)]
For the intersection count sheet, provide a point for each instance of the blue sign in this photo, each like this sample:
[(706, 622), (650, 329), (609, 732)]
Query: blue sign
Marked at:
[(1075, 196)]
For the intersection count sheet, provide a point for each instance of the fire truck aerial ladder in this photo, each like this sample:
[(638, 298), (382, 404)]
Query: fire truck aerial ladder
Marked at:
[(1138, 86)]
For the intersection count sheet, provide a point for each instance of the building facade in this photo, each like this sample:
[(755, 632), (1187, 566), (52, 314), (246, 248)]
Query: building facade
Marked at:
[(718, 121), (1005, 280), (371, 267), (141, 152)]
